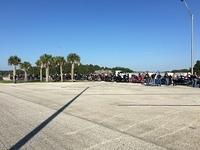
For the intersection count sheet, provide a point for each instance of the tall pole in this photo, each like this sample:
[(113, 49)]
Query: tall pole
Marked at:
[(192, 34), (192, 43)]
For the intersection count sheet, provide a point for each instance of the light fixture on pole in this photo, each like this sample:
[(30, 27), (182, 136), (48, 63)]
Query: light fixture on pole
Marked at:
[(192, 33)]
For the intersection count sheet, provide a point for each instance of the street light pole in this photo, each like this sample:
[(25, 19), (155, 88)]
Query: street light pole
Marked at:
[(192, 33), (192, 44)]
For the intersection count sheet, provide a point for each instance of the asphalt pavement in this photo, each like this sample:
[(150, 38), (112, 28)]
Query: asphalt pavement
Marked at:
[(98, 116)]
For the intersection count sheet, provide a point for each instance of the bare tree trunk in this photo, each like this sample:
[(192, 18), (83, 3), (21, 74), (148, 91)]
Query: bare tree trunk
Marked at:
[(72, 72), (25, 76), (14, 74), (41, 74), (47, 74), (61, 73)]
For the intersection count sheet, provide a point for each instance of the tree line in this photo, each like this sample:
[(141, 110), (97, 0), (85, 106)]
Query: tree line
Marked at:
[(48, 65), (45, 61), (196, 69)]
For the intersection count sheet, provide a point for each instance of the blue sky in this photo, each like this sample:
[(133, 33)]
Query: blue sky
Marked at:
[(139, 34)]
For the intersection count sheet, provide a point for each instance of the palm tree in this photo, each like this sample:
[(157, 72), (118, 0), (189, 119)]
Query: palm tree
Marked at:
[(25, 66), (40, 64), (60, 61), (73, 59), (14, 61), (46, 60)]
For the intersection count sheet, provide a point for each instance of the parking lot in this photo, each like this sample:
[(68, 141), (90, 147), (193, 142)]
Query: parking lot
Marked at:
[(98, 115)]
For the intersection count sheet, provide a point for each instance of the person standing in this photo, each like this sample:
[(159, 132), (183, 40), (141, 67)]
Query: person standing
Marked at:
[(166, 79), (147, 79), (158, 79), (174, 79)]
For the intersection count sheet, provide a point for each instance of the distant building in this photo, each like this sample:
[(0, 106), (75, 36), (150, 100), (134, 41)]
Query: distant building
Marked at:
[(7, 78), (102, 71)]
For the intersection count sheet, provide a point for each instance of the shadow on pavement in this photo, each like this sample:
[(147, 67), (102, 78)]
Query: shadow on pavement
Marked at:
[(31, 134)]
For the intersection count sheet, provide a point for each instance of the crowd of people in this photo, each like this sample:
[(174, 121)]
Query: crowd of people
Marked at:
[(147, 79), (157, 79), (174, 79)]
